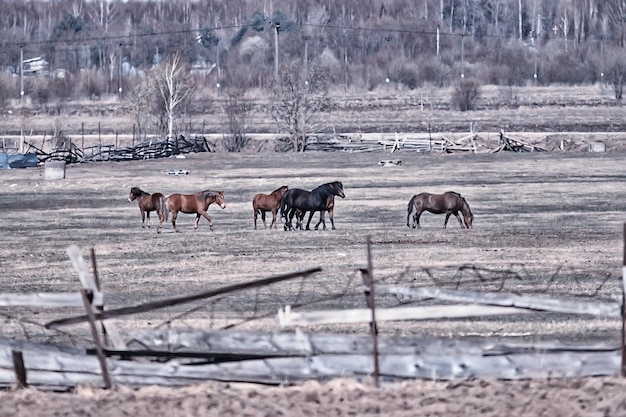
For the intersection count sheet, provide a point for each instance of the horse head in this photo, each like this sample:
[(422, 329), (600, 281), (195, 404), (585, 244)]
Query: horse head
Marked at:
[(219, 199), (468, 216), (337, 188), (134, 193)]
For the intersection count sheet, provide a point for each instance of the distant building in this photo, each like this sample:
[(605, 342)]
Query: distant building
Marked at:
[(35, 66)]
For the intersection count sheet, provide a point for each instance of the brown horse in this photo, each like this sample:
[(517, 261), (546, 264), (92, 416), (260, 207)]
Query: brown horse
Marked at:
[(449, 202), (197, 204), (147, 203), (262, 203)]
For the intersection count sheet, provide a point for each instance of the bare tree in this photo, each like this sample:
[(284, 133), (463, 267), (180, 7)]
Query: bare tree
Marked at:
[(298, 101), (238, 110), (174, 90), (465, 94), (617, 74), (140, 98)]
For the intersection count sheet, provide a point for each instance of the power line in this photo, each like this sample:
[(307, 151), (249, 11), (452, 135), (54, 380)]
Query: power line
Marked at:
[(116, 38)]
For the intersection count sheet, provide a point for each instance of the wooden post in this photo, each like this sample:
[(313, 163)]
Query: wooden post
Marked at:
[(96, 280), (623, 370), (19, 368), (368, 277), (96, 339)]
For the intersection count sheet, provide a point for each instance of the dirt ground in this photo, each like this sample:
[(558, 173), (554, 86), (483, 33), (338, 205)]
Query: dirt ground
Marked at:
[(554, 219)]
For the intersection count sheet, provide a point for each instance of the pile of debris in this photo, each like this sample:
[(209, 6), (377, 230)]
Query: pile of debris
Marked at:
[(146, 150)]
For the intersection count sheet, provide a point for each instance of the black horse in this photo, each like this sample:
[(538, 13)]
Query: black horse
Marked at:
[(298, 200), (330, 207)]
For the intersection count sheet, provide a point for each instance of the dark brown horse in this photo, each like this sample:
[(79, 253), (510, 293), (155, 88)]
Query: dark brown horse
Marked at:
[(300, 201), (147, 203), (197, 204), (330, 207), (449, 202), (262, 203)]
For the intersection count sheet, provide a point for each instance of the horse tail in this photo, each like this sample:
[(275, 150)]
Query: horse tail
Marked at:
[(163, 210), (410, 210), (283, 205)]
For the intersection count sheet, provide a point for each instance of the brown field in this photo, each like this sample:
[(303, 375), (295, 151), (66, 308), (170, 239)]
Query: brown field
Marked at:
[(554, 218)]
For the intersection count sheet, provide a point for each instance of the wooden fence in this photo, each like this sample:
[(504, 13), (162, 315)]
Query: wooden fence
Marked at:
[(172, 356)]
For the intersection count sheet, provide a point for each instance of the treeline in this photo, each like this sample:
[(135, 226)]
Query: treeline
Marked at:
[(103, 47)]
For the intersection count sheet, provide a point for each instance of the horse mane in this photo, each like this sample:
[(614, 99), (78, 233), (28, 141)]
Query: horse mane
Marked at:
[(328, 185), (209, 193), (137, 192), (466, 204), (278, 189)]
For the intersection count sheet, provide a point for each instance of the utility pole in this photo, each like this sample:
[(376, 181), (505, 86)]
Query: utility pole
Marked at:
[(119, 69), (462, 56), (277, 29), (306, 59), (21, 73)]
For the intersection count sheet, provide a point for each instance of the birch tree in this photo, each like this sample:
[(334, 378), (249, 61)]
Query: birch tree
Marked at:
[(173, 89)]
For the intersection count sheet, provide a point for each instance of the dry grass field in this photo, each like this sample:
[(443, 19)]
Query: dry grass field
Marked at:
[(558, 217), (555, 220)]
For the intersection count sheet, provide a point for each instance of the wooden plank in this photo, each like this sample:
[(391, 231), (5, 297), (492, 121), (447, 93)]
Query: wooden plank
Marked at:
[(96, 339), (623, 310), (322, 343), (73, 370), (142, 308), (61, 299), (602, 309), (84, 274), (287, 317)]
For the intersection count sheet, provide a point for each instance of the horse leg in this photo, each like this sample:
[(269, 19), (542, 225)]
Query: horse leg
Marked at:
[(317, 225), (161, 220), (143, 218), (263, 218), (174, 215), (416, 220), (331, 216), (308, 223), (300, 221), (206, 216), (447, 217), (148, 218), (255, 215), (273, 223), (290, 214), (459, 219)]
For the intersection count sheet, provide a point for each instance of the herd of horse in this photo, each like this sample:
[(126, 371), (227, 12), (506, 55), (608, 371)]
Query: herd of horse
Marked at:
[(294, 202)]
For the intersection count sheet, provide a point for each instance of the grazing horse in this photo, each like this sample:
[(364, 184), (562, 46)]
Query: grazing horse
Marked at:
[(197, 203), (316, 200), (147, 203), (262, 203), (449, 202)]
